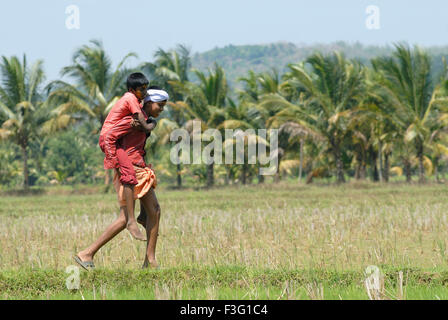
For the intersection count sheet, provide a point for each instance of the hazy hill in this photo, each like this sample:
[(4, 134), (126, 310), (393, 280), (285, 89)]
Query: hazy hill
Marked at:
[(238, 60)]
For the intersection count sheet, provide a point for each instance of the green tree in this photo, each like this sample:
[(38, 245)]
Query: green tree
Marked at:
[(251, 91), (243, 116), (270, 82), (169, 71), (10, 166), (71, 155), (333, 87), (207, 101), (97, 86), (376, 118), (413, 98), (160, 137), (173, 65), (22, 105)]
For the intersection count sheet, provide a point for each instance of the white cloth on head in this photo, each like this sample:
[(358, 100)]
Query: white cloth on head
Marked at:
[(156, 95)]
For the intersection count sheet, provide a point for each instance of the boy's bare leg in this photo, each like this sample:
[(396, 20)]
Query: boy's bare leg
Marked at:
[(142, 216), (152, 209), (131, 224), (112, 230)]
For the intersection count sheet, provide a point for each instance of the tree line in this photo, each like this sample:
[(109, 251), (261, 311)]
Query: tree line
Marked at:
[(337, 118)]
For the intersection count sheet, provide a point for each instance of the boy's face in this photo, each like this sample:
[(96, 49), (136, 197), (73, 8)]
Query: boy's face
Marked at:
[(154, 109), (140, 92)]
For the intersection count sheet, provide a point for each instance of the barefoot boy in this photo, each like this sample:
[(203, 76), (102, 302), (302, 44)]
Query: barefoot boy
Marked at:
[(133, 145), (128, 105)]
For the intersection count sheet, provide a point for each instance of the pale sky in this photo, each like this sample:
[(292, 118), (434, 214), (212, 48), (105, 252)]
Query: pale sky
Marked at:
[(38, 28)]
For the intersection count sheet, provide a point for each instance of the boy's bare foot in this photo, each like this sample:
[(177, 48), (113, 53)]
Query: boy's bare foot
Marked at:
[(150, 264), (135, 231)]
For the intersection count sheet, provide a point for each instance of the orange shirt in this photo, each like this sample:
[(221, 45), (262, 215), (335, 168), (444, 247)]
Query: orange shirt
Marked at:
[(128, 105), (134, 145), (108, 142)]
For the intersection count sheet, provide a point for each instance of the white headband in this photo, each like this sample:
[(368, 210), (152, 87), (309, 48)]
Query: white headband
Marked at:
[(156, 95)]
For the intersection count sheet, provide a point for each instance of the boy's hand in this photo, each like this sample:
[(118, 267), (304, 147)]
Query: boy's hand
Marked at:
[(153, 121), (147, 125), (137, 125)]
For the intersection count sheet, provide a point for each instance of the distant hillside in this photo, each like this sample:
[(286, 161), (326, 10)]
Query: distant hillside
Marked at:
[(238, 60)]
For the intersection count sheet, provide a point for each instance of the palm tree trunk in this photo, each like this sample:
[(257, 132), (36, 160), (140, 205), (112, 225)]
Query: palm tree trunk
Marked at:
[(227, 176), (25, 167), (374, 165), (179, 178), (231, 176), (301, 160), (436, 169), (339, 165), (363, 170), (386, 167), (210, 172), (260, 176), (380, 158), (360, 170), (357, 171), (421, 168), (210, 178), (407, 168), (375, 175), (244, 173), (277, 174)]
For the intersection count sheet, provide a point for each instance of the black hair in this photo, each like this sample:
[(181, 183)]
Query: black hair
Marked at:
[(136, 80), (154, 88)]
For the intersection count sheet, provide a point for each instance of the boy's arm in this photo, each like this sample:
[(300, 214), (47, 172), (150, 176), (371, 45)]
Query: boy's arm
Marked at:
[(141, 122), (140, 119)]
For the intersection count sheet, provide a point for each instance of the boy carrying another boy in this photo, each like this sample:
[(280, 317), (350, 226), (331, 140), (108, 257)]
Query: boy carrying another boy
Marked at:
[(132, 143), (113, 129)]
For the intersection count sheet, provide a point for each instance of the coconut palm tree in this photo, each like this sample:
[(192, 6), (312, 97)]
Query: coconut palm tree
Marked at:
[(244, 116), (97, 85), (270, 82), (206, 101), (365, 143), (251, 90), (177, 115), (333, 87), (291, 132), (215, 89), (173, 65), (295, 132), (376, 112), (414, 99), (169, 70), (22, 105), (439, 134)]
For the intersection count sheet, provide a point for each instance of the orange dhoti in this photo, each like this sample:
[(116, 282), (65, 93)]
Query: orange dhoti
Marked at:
[(146, 179)]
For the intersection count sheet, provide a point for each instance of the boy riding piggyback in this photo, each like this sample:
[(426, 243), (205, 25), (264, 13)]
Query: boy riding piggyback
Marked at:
[(130, 105)]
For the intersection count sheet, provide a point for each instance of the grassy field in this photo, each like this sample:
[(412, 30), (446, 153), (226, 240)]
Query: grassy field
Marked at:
[(285, 241)]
